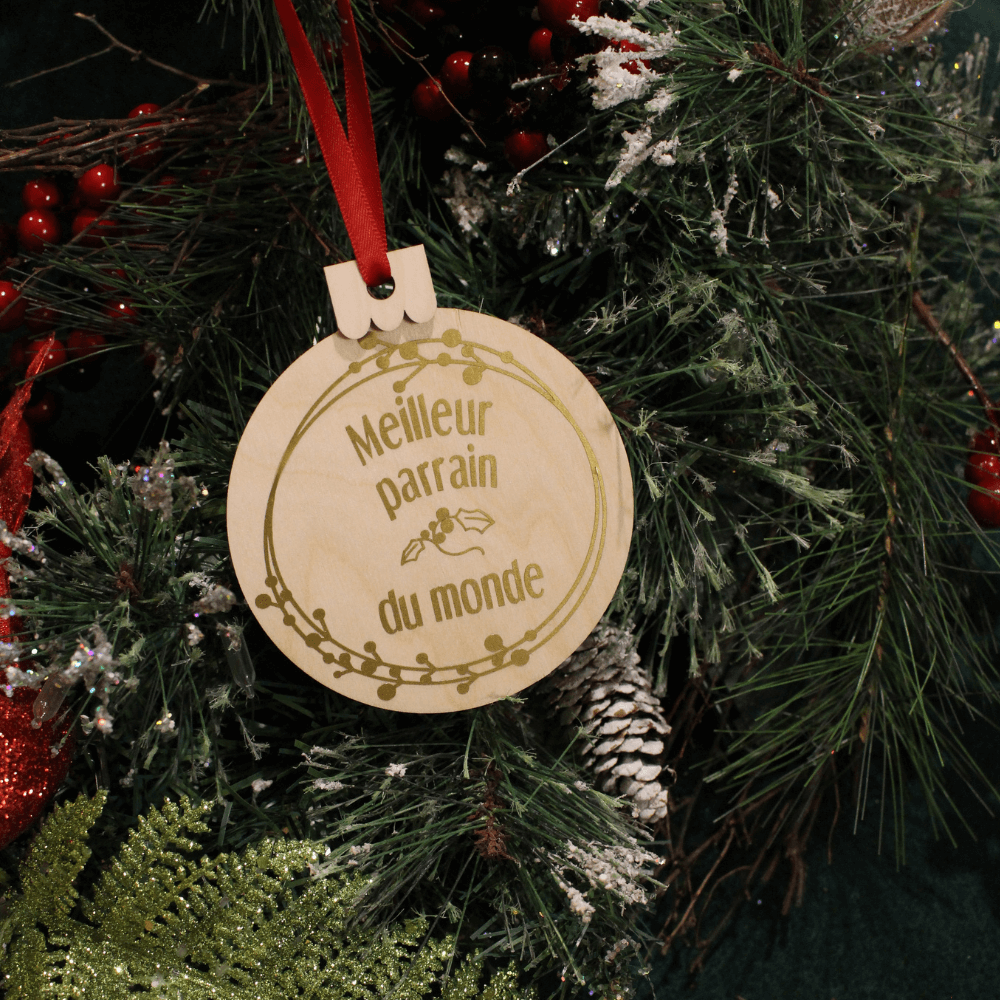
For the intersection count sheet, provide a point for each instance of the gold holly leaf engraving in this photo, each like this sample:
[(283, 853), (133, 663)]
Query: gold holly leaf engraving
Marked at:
[(473, 520), (412, 551)]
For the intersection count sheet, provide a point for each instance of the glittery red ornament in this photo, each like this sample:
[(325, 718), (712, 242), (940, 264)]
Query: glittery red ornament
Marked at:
[(29, 774)]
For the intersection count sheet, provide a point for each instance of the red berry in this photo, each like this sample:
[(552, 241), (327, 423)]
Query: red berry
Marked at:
[(632, 66), (83, 343), (429, 100), (985, 506), (984, 449), (52, 357), (144, 109), (119, 310), (117, 276), (86, 218), (43, 411), (455, 76), (557, 14), (41, 318), (540, 46), (37, 229), (12, 306), (145, 156), (98, 185), (423, 12), (524, 148), (166, 182), (41, 193)]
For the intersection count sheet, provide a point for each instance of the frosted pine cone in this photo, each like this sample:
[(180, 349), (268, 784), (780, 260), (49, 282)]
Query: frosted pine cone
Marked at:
[(602, 689)]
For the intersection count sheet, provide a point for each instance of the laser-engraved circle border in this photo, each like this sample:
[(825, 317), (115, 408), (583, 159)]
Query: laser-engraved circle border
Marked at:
[(370, 662)]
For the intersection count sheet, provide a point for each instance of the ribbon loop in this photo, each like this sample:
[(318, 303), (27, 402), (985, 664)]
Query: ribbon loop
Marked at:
[(351, 159)]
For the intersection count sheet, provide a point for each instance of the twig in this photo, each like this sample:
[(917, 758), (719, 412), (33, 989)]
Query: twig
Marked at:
[(139, 54), (929, 320), (55, 69)]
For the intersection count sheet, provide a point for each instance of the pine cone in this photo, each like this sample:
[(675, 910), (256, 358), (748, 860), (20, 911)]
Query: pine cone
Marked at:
[(602, 689)]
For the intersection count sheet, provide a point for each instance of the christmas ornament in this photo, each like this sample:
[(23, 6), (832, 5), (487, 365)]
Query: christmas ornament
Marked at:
[(524, 148), (602, 689), (41, 193), (558, 14), (29, 769), (98, 186), (982, 470), (429, 101), (431, 514), (12, 306), (29, 773), (37, 229)]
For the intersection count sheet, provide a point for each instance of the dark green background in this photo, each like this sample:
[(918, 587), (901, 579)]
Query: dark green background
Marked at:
[(928, 931)]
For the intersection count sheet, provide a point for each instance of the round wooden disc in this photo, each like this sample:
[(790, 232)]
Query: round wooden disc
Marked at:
[(433, 518)]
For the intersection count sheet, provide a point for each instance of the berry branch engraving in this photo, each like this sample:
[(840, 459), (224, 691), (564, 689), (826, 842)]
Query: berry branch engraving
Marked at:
[(437, 532)]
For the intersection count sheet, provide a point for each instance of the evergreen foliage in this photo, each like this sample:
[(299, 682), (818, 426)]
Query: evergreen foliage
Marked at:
[(730, 248), (162, 921)]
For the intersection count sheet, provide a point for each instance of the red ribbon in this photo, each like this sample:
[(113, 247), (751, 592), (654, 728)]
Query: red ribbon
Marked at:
[(351, 163), (16, 478)]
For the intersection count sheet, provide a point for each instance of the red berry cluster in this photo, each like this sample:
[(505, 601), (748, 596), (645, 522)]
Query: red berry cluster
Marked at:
[(54, 209), (983, 470), (481, 57)]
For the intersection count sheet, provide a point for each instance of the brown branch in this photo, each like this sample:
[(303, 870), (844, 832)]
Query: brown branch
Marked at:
[(930, 322), (137, 54), (55, 69), (687, 913)]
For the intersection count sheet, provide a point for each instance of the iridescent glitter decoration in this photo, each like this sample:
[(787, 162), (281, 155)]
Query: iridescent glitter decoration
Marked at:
[(157, 488), (29, 772)]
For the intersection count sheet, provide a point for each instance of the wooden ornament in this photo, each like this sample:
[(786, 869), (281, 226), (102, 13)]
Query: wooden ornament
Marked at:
[(431, 518)]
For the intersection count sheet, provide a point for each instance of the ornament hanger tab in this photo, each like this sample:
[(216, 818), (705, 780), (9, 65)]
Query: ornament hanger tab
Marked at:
[(357, 308)]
